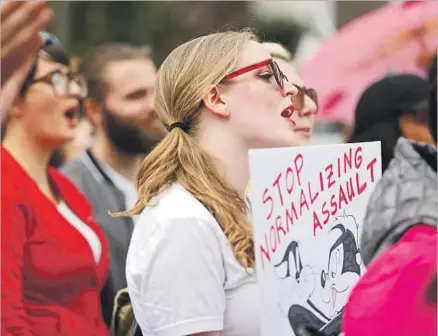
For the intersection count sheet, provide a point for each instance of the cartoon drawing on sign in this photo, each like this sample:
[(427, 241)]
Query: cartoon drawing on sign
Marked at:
[(344, 261), (296, 288)]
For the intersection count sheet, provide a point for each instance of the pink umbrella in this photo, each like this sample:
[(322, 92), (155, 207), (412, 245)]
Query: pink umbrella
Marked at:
[(398, 37)]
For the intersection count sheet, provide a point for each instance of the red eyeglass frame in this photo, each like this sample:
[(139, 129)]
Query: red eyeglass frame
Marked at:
[(278, 74), (279, 77)]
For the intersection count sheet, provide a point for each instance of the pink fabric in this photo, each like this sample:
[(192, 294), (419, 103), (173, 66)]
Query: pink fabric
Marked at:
[(366, 49), (390, 299)]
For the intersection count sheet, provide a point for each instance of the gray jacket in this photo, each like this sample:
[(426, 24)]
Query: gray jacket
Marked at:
[(405, 196), (90, 178)]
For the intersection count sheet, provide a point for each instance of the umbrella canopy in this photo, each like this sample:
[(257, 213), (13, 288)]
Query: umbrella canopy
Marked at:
[(400, 37)]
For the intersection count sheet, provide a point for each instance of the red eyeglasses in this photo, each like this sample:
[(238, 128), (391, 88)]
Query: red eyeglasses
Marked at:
[(278, 75), (298, 100)]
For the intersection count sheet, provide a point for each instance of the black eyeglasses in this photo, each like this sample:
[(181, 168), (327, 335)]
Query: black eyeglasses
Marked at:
[(65, 84)]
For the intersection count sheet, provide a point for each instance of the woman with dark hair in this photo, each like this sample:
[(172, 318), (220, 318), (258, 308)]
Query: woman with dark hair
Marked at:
[(390, 108), (399, 242), (54, 256)]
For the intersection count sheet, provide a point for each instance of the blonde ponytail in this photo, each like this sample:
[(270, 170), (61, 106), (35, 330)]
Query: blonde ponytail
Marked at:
[(180, 85)]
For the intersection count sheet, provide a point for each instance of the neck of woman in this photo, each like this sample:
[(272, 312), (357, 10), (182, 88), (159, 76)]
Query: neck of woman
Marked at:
[(231, 156)]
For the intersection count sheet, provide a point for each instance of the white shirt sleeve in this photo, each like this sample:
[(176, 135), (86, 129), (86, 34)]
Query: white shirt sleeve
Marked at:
[(182, 286)]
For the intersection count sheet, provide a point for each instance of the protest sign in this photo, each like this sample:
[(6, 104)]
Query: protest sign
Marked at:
[(308, 205)]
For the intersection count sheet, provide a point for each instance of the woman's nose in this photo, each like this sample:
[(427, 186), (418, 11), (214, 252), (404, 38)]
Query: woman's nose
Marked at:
[(289, 90)]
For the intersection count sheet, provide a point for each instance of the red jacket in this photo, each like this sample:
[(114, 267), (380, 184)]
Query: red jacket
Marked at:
[(50, 283)]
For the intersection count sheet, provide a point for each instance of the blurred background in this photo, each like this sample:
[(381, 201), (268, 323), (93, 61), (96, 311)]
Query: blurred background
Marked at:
[(365, 70), (302, 26)]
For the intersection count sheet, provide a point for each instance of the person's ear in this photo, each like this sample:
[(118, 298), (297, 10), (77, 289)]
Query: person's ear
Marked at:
[(93, 111), (215, 103)]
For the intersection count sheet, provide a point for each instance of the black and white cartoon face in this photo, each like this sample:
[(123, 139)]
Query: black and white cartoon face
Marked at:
[(343, 269), (298, 280), (295, 290)]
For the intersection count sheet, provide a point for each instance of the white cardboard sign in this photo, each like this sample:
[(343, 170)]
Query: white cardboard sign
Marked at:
[(308, 205)]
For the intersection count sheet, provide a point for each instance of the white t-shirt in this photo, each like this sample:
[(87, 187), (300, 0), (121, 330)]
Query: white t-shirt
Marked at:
[(182, 275), (87, 232)]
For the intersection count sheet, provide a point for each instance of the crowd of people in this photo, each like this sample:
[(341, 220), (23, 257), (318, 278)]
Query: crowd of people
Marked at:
[(145, 229)]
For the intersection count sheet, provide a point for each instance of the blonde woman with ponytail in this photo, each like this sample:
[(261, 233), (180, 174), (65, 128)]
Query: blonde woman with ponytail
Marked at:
[(190, 266)]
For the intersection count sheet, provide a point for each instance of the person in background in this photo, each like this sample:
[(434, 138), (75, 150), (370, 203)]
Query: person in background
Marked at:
[(399, 243), (307, 107), (54, 256), (120, 107), (393, 107), (190, 266), (407, 193), (21, 22)]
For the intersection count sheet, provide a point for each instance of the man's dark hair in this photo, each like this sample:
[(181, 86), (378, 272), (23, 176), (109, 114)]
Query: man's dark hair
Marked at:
[(93, 63)]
